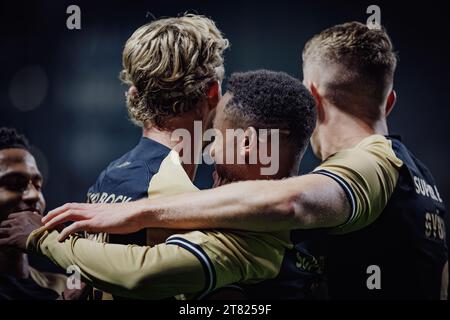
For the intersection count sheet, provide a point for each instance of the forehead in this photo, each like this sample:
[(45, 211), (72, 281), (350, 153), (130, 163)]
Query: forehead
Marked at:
[(16, 159)]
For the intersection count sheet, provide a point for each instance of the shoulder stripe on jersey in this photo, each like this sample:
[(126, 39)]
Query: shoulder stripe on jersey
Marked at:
[(208, 267), (347, 189)]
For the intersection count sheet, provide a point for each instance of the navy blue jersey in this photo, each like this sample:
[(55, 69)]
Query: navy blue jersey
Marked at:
[(405, 245), (301, 277), (127, 179)]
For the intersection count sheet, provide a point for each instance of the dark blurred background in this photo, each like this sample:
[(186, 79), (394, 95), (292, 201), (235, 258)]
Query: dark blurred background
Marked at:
[(61, 87)]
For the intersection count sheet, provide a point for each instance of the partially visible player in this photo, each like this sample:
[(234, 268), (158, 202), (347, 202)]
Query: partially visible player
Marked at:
[(174, 68), (380, 203), (21, 191), (198, 263)]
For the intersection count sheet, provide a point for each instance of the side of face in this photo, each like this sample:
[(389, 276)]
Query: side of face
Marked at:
[(310, 79), (20, 183), (246, 146), (213, 97), (228, 172)]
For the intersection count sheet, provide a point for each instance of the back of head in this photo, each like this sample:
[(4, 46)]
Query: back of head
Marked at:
[(354, 66), (10, 139), (170, 62), (272, 100)]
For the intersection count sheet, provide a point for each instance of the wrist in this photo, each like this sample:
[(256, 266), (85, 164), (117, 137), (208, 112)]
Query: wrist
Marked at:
[(140, 214)]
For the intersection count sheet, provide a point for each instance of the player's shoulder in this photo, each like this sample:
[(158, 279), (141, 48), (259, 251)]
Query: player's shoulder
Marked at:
[(416, 174), (372, 151), (376, 145), (408, 157), (140, 163), (147, 153)]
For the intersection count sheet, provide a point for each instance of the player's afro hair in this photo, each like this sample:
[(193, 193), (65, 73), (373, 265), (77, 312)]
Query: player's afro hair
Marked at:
[(9, 138), (272, 100)]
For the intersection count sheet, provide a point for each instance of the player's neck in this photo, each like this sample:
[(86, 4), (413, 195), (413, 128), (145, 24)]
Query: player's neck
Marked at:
[(161, 136), (166, 138), (14, 263), (344, 132)]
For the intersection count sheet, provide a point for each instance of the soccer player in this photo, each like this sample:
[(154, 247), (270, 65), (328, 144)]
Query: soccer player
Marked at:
[(21, 191), (196, 263), (379, 203), (174, 69)]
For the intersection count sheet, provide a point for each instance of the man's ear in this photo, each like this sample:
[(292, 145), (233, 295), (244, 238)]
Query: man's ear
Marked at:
[(132, 92), (318, 99), (249, 145), (213, 94), (390, 103)]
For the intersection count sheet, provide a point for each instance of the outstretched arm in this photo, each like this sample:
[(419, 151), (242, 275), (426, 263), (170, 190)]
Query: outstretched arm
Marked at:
[(194, 263), (347, 192), (302, 202), (128, 271)]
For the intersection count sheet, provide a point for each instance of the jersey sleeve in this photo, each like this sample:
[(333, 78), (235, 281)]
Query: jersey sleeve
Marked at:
[(368, 175), (234, 256), (191, 264), (124, 270)]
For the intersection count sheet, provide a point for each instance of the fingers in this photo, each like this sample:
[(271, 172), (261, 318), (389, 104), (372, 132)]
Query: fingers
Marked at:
[(6, 238), (20, 214), (4, 232), (73, 228), (70, 215), (9, 223), (5, 223), (68, 206), (5, 242)]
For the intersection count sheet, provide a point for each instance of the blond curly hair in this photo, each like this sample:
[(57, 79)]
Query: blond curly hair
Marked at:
[(170, 62)]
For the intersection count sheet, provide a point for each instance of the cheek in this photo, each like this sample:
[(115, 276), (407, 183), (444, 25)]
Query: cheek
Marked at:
[(314, 136), (226, 172), (42, 203), (219, 150), (9, 200)]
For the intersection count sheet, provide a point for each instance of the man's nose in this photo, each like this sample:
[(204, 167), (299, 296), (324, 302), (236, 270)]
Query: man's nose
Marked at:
[(31, 194)]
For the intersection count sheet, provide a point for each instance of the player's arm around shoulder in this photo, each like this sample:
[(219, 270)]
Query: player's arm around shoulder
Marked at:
[(366, 176)]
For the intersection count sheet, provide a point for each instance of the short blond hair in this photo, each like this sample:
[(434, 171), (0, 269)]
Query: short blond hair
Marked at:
[(366, 61), (170, 62)]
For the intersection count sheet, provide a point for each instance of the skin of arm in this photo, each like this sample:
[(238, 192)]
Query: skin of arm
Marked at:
[(304, 202), (345, 193)]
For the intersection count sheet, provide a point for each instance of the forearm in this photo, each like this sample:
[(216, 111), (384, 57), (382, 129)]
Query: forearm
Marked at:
[(249, 205), (129, 271), (297, 203)]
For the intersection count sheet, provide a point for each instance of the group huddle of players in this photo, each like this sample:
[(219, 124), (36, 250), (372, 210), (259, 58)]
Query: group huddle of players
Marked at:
[(359, 226)]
